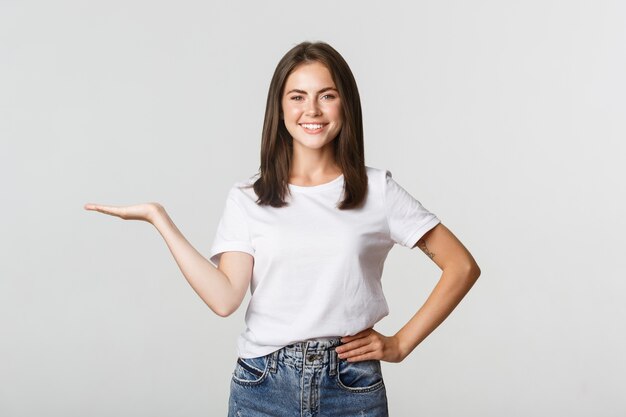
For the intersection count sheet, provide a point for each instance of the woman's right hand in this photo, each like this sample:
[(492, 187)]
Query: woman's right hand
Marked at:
[(146, 211)]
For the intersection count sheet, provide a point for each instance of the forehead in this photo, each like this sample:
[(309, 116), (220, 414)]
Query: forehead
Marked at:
[(309, 76)]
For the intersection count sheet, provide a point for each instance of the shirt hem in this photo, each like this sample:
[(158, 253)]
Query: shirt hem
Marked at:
[(415, 236)]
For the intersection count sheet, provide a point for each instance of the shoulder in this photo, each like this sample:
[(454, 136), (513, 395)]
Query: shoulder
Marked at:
[(378, 178), (375, 174), (242, 191)]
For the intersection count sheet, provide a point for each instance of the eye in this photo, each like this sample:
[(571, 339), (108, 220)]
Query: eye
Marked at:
[(329, 95), (296, 97)]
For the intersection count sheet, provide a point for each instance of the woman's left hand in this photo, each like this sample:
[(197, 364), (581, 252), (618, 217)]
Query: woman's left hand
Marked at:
[(369, 344)]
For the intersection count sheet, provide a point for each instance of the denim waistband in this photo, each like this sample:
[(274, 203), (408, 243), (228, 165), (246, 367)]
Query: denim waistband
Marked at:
[(312, 345), (318, 350), (312, 352)]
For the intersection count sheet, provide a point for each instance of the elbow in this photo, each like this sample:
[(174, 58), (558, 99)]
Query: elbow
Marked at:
[(473, 271), (469, 270), (225, 310), (222, 313)]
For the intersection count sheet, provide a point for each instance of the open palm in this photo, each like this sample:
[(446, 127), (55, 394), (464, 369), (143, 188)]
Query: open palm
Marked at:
[(144, 211)]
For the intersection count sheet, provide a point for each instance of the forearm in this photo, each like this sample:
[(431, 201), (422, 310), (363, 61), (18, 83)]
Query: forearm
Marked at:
[(449, 291), (211, 284)]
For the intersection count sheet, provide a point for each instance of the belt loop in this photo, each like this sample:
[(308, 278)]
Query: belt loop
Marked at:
[(333, 361), (273, 361)]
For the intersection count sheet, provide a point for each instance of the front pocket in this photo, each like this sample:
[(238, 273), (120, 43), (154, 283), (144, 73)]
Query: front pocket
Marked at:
[(251, 371), (361, 376)]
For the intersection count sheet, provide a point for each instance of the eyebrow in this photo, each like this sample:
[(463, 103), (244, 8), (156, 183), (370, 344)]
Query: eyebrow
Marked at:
[(295, 90)]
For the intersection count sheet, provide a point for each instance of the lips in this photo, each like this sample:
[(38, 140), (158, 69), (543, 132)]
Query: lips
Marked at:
[(313, 127)]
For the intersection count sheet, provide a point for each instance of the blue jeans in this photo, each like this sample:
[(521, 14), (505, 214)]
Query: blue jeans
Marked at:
[(307, 379)]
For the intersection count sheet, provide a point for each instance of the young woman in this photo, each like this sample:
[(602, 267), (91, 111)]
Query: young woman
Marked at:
[(309, 234)]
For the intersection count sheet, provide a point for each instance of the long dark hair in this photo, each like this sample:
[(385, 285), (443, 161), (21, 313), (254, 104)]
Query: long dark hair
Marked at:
[(277, 145)]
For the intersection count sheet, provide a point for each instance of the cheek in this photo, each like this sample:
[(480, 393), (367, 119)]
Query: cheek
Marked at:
[(335, 111), (339, 119), (291, 113)]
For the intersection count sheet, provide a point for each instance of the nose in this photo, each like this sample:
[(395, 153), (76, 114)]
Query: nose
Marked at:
[(312, 108)]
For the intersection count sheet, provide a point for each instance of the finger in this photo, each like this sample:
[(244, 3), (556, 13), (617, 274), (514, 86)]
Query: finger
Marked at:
[(115, 211), (359, 358), (354, 348), (358, 353), (351, 345), (354, 342), (101, 208), (93, 206)]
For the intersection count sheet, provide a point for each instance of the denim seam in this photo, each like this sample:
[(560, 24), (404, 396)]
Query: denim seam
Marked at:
[(333, 362), (357, 390), (274, 362), (250, 368)]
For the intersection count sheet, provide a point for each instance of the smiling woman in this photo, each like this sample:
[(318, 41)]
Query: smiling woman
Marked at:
[(309, 234), (312, 130), (311, 114)]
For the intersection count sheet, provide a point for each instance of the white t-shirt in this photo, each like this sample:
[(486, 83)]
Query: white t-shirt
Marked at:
[(317, 269)]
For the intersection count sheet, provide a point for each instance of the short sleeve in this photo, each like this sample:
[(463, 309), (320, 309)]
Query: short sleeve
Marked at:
[(407, 218), (232, 232)]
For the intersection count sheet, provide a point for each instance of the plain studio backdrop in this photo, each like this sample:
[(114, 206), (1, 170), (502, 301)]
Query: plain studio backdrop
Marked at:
[(505, 119)]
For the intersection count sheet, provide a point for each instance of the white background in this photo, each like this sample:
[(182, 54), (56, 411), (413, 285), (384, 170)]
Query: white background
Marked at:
[(506, 119)]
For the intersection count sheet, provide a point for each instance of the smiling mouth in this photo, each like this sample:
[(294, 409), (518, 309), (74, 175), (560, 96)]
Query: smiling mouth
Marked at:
[(313, 127)]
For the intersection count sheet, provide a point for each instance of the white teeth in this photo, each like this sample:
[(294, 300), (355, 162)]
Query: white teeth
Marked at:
[(312, 126)]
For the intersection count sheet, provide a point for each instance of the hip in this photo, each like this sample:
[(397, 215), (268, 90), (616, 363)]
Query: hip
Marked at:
[(307, 378)]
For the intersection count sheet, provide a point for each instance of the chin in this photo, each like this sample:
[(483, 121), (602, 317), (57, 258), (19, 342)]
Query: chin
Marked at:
[(312, 144)]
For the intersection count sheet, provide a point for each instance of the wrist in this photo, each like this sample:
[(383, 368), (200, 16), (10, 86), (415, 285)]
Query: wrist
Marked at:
[(404, 346), (156, 214)]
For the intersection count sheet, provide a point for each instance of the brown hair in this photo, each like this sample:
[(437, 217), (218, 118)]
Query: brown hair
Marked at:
[(277, 146)]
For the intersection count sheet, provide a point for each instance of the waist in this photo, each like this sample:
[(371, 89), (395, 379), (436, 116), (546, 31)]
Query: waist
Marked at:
[(319, 350)]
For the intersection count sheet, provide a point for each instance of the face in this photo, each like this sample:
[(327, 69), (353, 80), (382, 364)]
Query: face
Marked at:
[(311, 106)]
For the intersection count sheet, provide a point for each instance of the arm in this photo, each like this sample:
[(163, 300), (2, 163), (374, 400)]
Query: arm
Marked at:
[(460, 272), (222, 288)]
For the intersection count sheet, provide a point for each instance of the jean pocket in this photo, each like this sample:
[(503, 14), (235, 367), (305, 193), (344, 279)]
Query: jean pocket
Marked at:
[(251, 371), (361, 376)]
